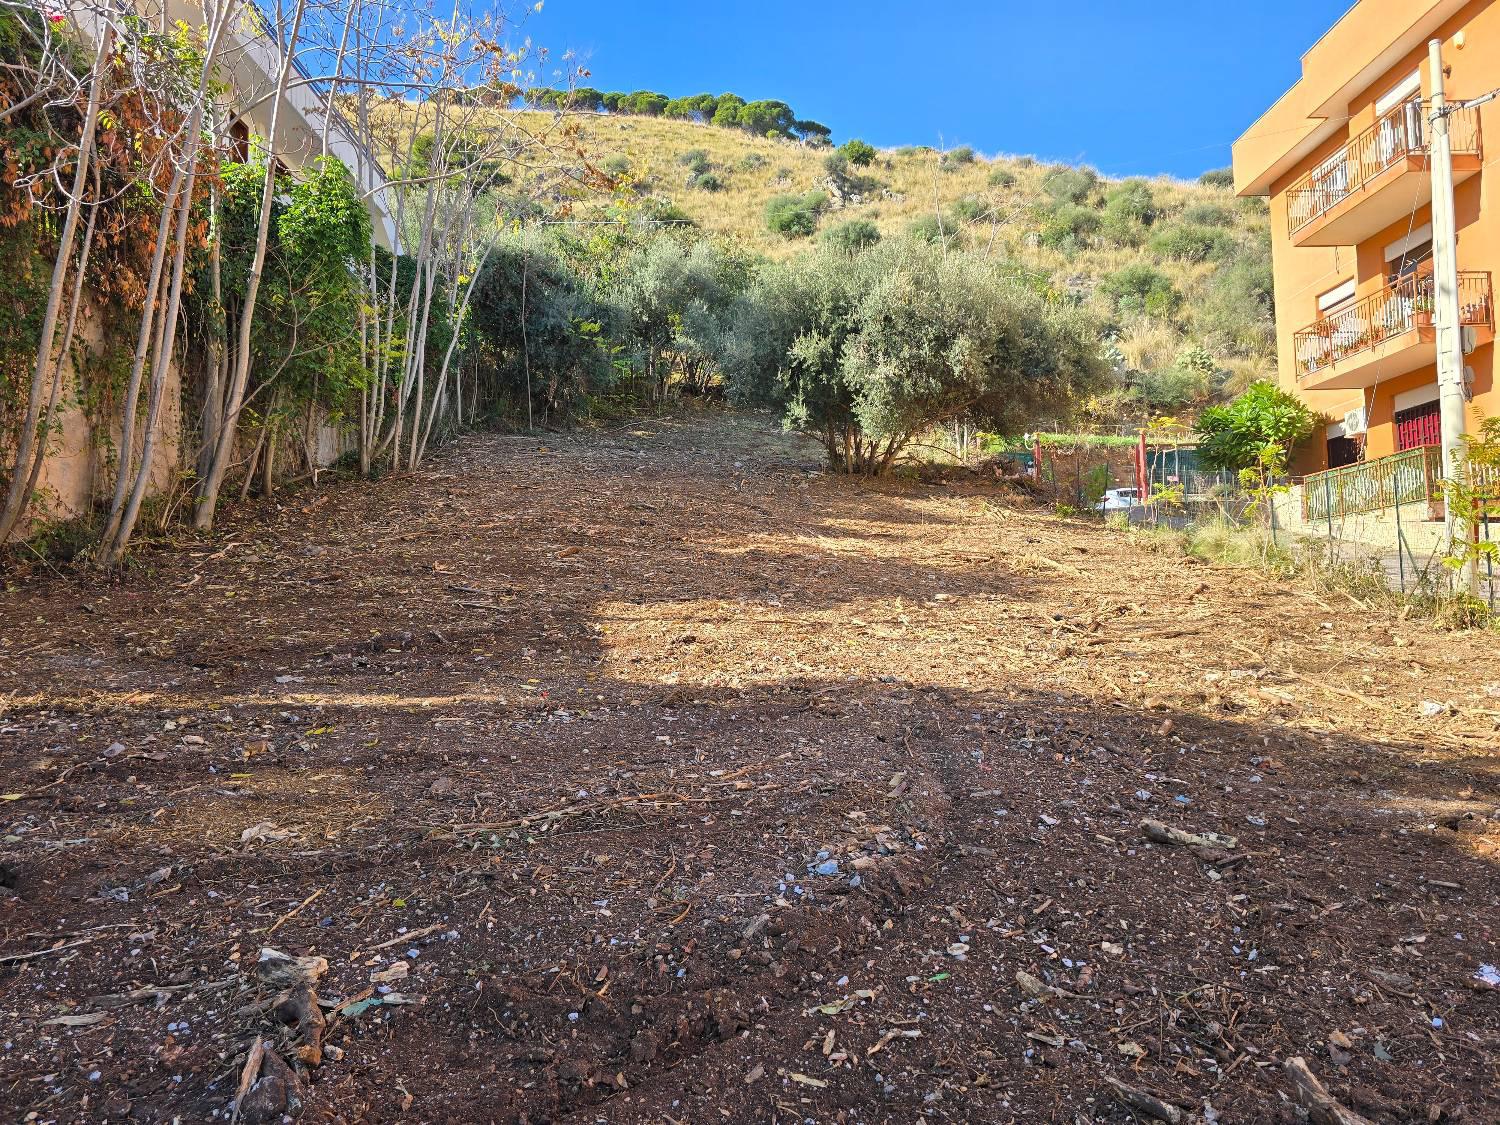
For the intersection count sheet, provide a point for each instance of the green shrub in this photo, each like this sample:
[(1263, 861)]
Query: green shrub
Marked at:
[(795, 216), (1219, 177), (857, 152), (617, 166), (708, 181), (958, 157), (695, 160), (930, 228), (973, 210), (1237, 315), (1190, 243), (752, 162), (1002, 178), (1142, 290), (1129, 208), (1069, 185), (1208, 215), (1069, 223), (852, 236), (1234, 436)]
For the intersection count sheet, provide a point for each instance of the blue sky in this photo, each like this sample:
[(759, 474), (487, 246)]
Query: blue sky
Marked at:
[(1129, 86)]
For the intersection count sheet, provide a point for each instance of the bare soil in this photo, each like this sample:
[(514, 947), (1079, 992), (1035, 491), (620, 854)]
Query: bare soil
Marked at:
[(659, 777)]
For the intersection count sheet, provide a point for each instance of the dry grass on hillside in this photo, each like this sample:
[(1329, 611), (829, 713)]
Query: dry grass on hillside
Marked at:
[(908, 185)]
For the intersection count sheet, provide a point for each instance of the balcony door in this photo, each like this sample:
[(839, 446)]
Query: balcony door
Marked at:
[(1418, 426), (1400, 115)]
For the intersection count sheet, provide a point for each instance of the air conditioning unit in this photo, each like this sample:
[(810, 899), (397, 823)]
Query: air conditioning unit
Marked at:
[(1355, 422)]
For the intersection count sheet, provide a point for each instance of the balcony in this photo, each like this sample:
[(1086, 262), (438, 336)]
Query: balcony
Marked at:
[(1378, 178), (1387, 333)]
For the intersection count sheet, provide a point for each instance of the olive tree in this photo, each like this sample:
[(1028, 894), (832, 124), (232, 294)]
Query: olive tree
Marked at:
[(871, 351)]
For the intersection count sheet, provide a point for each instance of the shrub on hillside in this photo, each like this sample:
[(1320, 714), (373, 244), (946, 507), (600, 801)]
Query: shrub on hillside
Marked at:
[(708, 181), (1002, 178), (957, 157), (1208, 215), (752, 162), (1237, 315), (931, 228), (1069, 185), (1191, 243), (1068, 224), (1218, 177), (617, 166), (695, 160), (1129, 208), (1141, 289), (795, 216), (971, 210), (852, 236), (857, 152)]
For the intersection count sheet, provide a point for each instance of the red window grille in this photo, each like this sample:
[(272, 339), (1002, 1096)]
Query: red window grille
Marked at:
[(1421, 425)]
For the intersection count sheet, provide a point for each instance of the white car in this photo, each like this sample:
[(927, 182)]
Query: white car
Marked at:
[(1119, 500)]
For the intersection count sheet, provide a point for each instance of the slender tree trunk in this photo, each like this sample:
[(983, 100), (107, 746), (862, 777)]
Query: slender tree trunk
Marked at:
[(18, 496), (223, 440)]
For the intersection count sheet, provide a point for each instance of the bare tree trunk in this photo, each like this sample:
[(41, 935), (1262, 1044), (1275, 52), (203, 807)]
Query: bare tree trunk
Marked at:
[(223, 440), (17, 497)]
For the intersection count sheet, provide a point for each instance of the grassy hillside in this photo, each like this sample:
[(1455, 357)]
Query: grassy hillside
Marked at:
[(1089, 238)]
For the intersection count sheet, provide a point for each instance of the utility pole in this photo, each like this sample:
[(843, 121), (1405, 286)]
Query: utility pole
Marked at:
[(1450, 345)]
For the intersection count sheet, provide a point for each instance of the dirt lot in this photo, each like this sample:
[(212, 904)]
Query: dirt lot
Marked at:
[(659, 777)]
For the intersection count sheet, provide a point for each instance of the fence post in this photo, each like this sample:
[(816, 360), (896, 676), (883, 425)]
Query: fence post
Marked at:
[(1400, 544), (1328, 506)]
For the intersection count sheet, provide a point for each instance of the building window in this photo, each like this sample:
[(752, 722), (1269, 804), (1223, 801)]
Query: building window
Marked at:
[(1418, 426), (1345, 451)]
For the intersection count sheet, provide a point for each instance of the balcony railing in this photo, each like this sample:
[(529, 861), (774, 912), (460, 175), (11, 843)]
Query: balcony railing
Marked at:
[(1385, 315), (1400, 133), (1409, 477)]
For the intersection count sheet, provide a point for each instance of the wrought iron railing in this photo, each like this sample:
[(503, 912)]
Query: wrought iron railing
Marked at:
[(1382, 316), (1399, 133), (1409, 477)]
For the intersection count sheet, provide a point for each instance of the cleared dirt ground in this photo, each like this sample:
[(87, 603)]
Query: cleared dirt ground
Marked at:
[(660, 777)]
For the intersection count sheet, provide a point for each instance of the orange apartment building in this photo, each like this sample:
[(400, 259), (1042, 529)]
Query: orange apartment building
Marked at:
[(1343, 159)]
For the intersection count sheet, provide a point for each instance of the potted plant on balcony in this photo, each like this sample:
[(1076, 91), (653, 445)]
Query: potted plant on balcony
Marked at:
[(1422, 312)]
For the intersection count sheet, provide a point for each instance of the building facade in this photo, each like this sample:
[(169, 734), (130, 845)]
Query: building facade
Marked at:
[(1343, 157)]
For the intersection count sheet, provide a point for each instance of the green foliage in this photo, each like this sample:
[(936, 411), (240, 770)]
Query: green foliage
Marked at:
[(617, 167), (307, 312), (1129, 208), (795, 216), (1070, 185), (1237, 315), (695, 160), (956, 158), (813, 132), (1067, 224), (933, 229), (1191, 243), (1471, 495), (1235, 435), (768, 119), (852, 236), (537, 323), (1142, 290), (865, 352), (1218, 177), (708, 181), (1207, 215), (1002, 178), (753, 162), (727, 111), (971, 210), (858, 153)]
